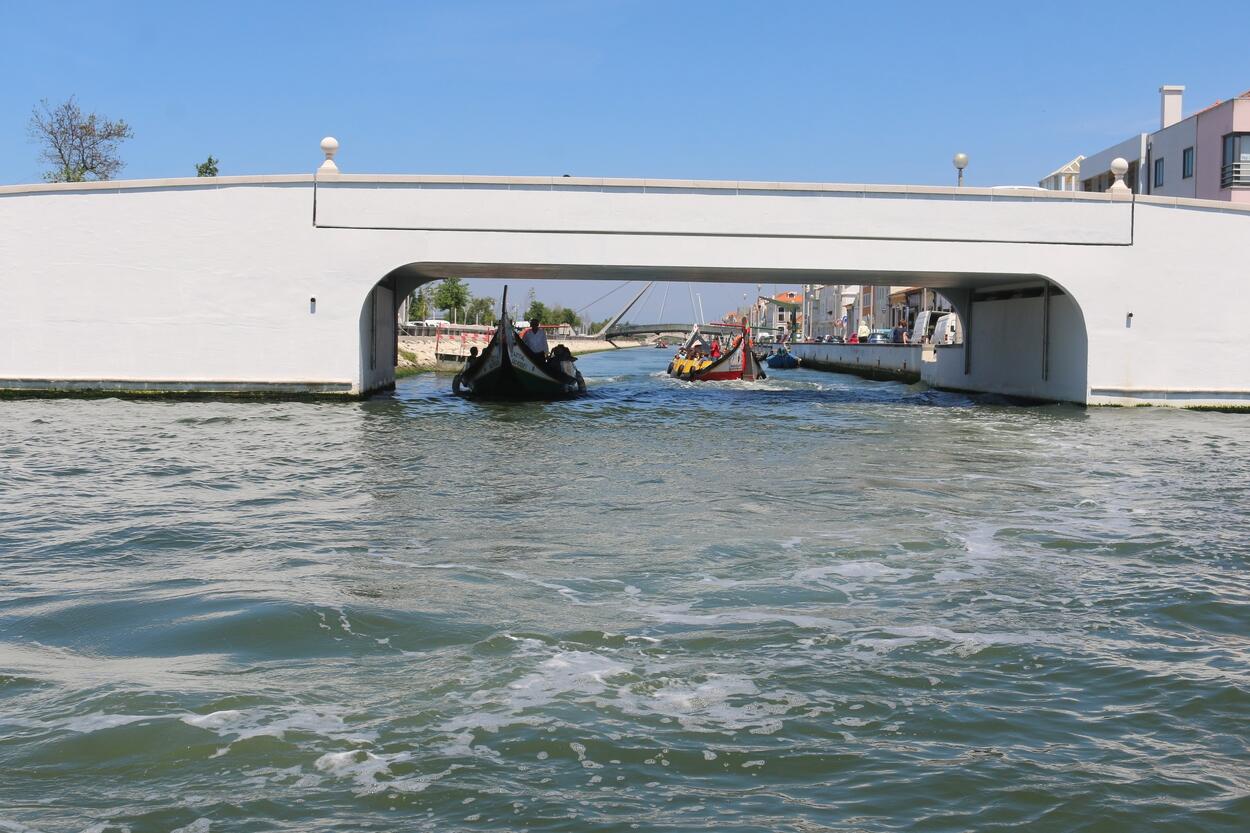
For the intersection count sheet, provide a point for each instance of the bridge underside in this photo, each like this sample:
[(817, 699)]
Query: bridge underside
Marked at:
[(414, 274), (1023, 336)]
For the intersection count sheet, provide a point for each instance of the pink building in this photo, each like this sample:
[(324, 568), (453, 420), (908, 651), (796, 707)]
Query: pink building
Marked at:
[(1205, 155)]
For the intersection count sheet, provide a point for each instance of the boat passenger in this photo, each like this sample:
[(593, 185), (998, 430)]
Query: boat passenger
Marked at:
[(535, 339), (716, 349)]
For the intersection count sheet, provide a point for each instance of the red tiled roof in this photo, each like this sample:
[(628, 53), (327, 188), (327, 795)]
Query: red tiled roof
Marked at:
[(1246, 94)]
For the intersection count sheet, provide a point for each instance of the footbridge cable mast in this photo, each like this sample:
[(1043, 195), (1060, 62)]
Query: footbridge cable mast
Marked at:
[(604, 329)]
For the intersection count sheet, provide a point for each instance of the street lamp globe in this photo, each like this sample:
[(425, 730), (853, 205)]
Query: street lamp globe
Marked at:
[(961, 162)]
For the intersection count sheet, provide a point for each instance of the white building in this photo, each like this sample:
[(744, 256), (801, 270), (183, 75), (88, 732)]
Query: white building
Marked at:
[(1205, 155), (1064, 178)]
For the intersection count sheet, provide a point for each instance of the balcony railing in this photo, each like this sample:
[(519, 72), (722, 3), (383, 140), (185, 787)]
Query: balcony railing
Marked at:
[(1235, 173)]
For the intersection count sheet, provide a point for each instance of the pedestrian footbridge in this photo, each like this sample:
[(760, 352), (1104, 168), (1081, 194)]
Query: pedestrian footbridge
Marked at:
[(290, 284)]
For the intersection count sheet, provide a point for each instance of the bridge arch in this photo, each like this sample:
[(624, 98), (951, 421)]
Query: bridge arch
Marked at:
[(1025, 334)]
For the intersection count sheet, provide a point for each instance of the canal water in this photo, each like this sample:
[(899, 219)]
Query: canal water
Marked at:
[(809, 603)]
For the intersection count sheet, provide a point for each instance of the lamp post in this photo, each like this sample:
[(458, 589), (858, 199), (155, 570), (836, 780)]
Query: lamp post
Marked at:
[(961, 162)]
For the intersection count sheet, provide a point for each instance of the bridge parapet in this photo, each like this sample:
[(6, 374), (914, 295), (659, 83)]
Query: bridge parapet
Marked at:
[(548, 205)]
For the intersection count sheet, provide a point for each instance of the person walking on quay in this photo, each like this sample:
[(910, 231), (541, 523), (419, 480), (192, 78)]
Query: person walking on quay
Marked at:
[(864, 330), (899, 334)]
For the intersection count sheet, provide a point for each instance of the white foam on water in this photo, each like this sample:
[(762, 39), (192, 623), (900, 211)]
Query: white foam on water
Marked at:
[(720, 583), (722, 703), (583, 672), (680, 615), (276, 722), (88, 723), (361, 766), (1012, 600), (791, 543), (967, 643), (884, 646), (197, 826), (16, 827), (952, 576), (870, 570), (214, 720)]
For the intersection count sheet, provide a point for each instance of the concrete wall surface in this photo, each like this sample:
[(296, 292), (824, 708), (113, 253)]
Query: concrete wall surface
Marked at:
[(1007, 348), (878, 361), (209, 285)]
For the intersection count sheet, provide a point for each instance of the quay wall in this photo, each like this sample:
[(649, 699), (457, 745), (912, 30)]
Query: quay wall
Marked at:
[(874, 361)]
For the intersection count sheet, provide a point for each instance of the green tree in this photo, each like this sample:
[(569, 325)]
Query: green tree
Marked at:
[(480, 309), (419, 305), (537, 311), (451, 294), (564, 315), (208, 167), (79, 147)]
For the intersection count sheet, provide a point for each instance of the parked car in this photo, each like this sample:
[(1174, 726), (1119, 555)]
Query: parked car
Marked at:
[(878, 338)]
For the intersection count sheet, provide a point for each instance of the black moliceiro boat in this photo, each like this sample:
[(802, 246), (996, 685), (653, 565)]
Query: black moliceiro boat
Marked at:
[(507, 369)]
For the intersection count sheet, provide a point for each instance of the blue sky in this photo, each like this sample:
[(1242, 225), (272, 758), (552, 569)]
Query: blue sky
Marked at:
[(872, 92)]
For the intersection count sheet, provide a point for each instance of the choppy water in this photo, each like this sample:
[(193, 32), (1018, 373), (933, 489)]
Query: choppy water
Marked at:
[(813, 603)]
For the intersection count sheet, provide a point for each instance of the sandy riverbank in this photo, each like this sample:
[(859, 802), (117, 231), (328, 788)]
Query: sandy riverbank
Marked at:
[(416, 353)]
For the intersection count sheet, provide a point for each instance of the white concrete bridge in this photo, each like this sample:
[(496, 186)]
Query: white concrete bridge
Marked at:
[(290, 283)]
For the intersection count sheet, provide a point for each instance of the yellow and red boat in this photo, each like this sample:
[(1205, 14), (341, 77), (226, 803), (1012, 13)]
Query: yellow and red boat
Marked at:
[(694, 362)]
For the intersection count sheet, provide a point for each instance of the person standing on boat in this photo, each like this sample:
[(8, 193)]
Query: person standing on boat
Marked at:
[(535, 339), (716, 348)]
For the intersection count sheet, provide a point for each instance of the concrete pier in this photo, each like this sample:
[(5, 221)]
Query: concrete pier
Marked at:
[(872, 361)]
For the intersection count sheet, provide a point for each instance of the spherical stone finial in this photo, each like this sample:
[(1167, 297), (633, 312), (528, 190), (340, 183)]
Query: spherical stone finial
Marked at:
[(1119, 167), (329, 146)]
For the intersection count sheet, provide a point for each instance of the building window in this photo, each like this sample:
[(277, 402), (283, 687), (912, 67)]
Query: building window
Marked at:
[(1158, 173), (1187, 163), (1235, 169)]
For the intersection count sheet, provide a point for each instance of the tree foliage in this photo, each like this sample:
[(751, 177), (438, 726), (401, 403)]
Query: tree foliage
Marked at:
[(552, 314), (537, 311), (480, 310), (419, 305), (208, 167), (79, 147), (451, 294)]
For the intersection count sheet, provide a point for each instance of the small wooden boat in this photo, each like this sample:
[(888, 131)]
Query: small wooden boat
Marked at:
[(508, 369), (693, 364)]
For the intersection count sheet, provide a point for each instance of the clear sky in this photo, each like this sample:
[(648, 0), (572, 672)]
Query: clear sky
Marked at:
[(871, 92)]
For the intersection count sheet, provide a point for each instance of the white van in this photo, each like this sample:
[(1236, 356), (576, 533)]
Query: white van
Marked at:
[(947, 330), (923, 328)]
